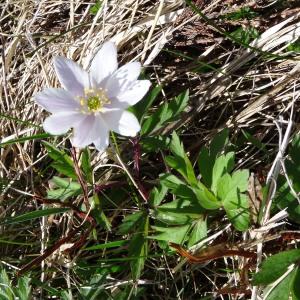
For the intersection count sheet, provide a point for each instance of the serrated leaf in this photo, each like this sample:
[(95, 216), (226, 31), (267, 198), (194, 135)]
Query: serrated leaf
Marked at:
[(236, 206), (157, 195), (177, 212), (62, 162), (275, 266), (180, 161), (240, 180), (224, 186), (205, 198), (207, 157), (223, 164), (178, 187), (175, 234), (199, 232), (205, 165), (227, 183)]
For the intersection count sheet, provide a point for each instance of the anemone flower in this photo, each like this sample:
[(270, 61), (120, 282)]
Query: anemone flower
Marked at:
[(95, 102)]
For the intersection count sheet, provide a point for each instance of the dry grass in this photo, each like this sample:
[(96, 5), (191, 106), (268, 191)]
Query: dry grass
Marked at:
[(247, 90)]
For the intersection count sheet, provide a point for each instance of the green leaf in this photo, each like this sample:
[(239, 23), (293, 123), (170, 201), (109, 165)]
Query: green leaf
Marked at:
[(177, 212), (167, 112), (63, 189), (180, 161), (243, 13), (95, 8), (240, 180), (275, 266), (219, 142), (199, 232), (296, 286), (6, 291), (178, 187), (157, 195), (207, 157), (155, 143), (224, 186), (284, 197), (25, 138), (206, 198), (223, 164), (98, 213), (114, 244), (34, 215), (254, 141), (236, 206), (62, 162), (176, 234), (138, 248), (283, 289), (86, 165), (227, 183), (24, 288), (140, 108), (294, 47), (245, 35), (130, 222), (94, 289)]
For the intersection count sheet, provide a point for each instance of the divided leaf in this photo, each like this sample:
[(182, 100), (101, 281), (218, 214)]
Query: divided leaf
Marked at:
[(207, 157), (180, 161), (174, 234), (223, 164), (236, 206)]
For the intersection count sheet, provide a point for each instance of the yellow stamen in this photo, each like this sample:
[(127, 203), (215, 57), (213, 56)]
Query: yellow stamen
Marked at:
[(94, 100)]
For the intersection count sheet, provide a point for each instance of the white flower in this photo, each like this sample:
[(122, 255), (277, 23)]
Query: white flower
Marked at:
[(94, 103)]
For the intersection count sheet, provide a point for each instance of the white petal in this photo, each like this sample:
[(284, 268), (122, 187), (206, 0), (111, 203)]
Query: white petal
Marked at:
[(71, 76), (121, 79), (60, 123), (105, 62), (56, 100), (122, 122), (132, 95), (102, 143), (90, 129)]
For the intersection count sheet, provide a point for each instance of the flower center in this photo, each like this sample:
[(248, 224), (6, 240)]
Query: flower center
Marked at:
[(94, 100), (93, 103)]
